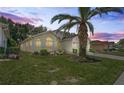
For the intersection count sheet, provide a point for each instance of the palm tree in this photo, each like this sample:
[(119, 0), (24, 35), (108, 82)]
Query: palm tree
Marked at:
[(83, 23)]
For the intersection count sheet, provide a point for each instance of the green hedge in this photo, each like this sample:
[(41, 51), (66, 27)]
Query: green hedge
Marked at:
[(11, 43), (2, 56), (1, 50), (35, 53), (15, 50), (44, 52), (121, 50), (92, 50)]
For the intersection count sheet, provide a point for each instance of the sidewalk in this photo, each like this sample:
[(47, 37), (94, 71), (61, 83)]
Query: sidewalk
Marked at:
[(120, 80), (106, 56), (2, 60)]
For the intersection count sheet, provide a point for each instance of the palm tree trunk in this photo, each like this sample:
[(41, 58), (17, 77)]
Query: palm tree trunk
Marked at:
[(83, 36)]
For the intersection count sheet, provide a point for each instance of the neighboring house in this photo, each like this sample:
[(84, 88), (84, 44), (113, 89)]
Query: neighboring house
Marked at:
[(111, 45), (51, 41), (100, 46), (3, 38), (121, 44)]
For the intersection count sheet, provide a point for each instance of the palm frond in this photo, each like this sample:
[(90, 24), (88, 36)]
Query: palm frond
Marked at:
[(104, 10), (62, 17), (91, 27), (84, 11), (67, 26)]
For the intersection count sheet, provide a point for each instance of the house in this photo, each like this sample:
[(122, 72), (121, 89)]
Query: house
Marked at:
[(3, 38), (101, 46), (71, 45), (52, 41), (44, 40)]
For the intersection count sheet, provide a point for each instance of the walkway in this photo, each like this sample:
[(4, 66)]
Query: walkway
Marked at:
[(106, 56), (120, 80), (4, 60)]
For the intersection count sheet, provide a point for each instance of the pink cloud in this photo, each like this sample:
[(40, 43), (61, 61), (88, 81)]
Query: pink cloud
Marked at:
[(16, 18), (108, 36)]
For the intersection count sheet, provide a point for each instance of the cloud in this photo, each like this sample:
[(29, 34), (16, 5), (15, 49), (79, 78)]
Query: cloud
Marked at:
[(108, 36), (16, 18), (37, 19), (13, 11), (33, 13)]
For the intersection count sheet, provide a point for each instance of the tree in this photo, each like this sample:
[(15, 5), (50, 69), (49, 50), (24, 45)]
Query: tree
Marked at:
[(83, 23), (38, 30), (18, 32), (121, 42)]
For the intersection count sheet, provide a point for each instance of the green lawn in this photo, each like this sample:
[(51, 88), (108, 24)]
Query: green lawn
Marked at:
[(42, 70)]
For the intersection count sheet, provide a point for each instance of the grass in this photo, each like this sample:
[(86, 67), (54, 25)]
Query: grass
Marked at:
[(32, 69)]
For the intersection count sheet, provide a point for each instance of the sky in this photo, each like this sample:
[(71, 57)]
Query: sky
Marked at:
[(106, 28)]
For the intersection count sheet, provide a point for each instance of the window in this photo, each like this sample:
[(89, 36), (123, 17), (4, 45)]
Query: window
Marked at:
[(22, 46), (75, 51), (26, 44), (30, 43), (49, 42), (37, 43)]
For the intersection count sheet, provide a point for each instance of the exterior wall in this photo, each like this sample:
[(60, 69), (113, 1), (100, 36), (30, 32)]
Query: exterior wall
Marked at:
[(75, 45), (67, 46), (99, 46), (44, 41), (50, 42), (2, 38), (71, 46)]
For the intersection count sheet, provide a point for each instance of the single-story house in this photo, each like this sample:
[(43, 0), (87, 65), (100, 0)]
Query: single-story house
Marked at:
[(101, 46), (45, 40), (52, 41)]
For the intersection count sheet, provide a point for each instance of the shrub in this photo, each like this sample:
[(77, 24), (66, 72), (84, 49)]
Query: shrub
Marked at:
[(44, 52), (92, 50), (35, 53), (121, 50), (1, 50), (105, 50), (2, 56), (11, 43), (13, 50)]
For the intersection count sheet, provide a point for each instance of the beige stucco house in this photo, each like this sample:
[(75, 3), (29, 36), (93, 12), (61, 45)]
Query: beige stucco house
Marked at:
[(71, 45), (45, 40), (51, 41)]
